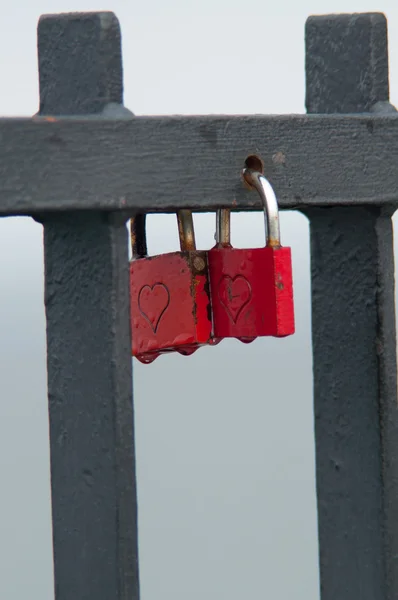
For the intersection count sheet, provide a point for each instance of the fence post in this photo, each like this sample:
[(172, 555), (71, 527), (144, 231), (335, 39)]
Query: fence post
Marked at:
[(88, 339), (354, 343)]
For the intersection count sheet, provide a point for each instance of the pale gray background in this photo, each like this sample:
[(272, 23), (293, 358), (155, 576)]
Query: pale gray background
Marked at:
[(225, 470)]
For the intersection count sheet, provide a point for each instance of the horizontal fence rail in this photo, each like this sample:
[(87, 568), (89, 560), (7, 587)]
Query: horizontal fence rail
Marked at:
[(113, 164)]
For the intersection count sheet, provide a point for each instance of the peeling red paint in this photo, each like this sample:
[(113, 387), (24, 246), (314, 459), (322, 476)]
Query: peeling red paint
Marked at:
[(170, 301)]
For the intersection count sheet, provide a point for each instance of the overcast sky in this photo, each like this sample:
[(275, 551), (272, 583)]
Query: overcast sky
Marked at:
[(226, 472)]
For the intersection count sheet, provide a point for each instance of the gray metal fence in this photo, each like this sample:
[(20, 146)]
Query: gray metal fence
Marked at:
[(85, 164)]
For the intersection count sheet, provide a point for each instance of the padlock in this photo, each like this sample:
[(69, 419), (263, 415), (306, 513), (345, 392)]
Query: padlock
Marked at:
[(252, 289), (169, 294)]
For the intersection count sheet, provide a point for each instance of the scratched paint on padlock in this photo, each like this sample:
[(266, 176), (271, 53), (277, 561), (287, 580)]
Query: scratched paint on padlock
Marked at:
[(153, 301), (269, 310), (177, 320), (234, 293)]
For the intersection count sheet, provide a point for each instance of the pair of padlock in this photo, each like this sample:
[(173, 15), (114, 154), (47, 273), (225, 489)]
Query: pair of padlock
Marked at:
[(183, 300)]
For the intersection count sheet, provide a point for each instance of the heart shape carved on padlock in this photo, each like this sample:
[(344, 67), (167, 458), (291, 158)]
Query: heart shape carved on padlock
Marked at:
[(234, 293), (152, 302)]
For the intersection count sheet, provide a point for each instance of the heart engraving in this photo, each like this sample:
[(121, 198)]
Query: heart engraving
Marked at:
[(152, 302), (234, 293)]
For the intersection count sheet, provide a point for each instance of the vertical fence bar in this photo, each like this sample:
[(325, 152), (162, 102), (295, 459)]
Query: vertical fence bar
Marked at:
[(88, 339), (354, 343)]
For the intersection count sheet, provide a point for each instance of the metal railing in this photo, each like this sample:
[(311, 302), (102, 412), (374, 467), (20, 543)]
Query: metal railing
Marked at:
[(85, 164)]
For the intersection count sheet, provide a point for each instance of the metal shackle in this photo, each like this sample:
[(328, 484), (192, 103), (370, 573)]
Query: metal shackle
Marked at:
[(138, 236), (256, 180), (186, 230), (186, 233), (223, 228)]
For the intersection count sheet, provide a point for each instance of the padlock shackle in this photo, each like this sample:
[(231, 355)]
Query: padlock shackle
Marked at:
[(223, 227), (186, 230), (138, 236), (138, 240), (257, 180)]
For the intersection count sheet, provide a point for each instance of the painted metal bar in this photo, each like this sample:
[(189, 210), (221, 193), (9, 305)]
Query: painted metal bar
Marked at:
[(94, 504), (354, 341), (115, 162)]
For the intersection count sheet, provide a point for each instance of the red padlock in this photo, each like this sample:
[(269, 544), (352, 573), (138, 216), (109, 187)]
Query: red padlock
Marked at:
[(252, 289), (169, 295)]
